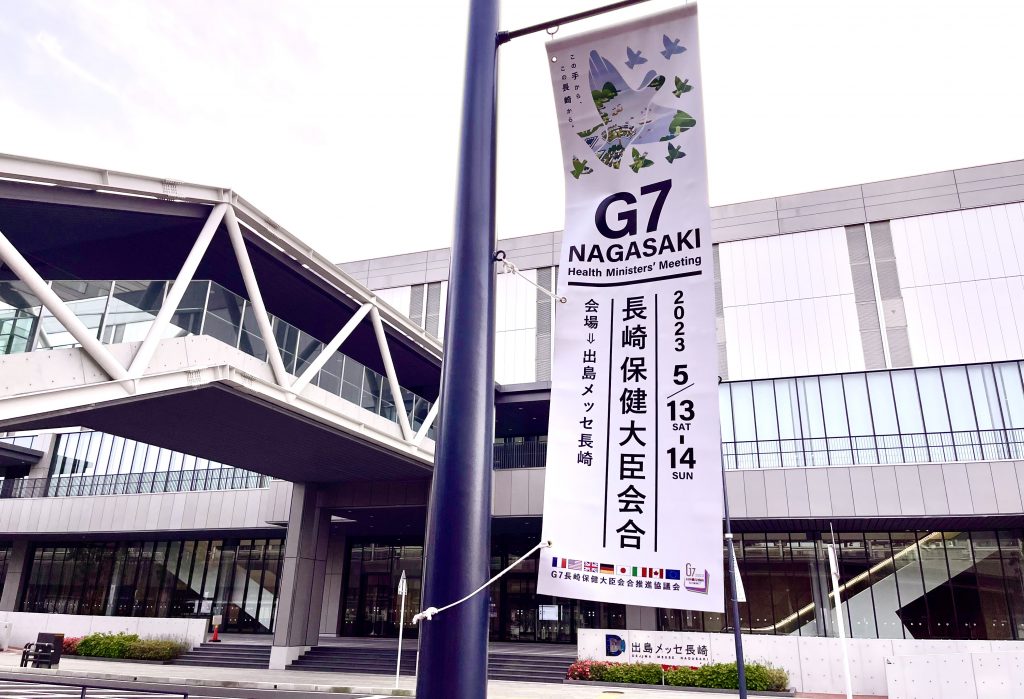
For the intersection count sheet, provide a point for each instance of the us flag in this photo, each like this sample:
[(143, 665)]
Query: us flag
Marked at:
[(575, 565)]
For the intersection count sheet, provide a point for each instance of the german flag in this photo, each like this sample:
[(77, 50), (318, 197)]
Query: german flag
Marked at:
[(607, 569)]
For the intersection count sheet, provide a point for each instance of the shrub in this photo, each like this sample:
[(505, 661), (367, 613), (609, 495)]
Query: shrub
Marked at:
[(634, 673), (155, 649), (70, 646), (600, 671), (681, 677), (761, 677), (593, 670), (718, 676), (777, 678), (106, 645)]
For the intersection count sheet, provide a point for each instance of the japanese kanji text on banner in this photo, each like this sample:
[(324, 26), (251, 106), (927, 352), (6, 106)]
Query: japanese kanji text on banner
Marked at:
[(633, 492)]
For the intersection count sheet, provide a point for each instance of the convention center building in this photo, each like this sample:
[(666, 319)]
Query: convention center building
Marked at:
[(203, 416)]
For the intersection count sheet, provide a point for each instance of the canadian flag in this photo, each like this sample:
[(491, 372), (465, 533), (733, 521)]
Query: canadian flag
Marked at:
[(654, 573)]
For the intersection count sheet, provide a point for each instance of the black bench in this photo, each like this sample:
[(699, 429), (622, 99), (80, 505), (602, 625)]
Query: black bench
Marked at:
[(45, 652)]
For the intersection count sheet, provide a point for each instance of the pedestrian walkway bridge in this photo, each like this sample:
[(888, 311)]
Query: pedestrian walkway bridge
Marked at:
[(181, 316)]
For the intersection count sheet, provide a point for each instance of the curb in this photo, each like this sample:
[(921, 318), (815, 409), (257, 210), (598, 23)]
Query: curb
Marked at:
[(39, 674), (705, 690), (115, 660)]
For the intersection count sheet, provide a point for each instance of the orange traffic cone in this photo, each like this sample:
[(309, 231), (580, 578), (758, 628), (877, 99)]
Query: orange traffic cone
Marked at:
[(215, 638)]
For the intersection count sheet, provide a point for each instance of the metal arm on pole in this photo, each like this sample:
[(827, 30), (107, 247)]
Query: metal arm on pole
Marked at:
[(505, 37)]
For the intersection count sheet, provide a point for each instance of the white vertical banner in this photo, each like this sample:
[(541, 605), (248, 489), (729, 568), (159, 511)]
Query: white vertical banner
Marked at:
[(633, 491)]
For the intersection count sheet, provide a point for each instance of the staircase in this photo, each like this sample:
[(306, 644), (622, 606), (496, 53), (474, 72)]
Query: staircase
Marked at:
[(366, 661), (527, 668), (381, 661), (228, 655)]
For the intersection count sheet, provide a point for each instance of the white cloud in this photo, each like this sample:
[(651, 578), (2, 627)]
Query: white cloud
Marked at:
[(341, 120)]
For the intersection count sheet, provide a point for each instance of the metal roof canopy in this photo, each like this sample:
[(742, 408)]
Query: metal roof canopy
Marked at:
[(73, 222)]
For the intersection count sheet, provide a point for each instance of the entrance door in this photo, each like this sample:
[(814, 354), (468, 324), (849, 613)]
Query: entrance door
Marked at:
[(376, 606), (521, 618)]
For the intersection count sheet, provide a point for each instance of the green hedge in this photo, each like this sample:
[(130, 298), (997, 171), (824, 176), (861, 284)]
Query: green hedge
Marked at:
[(130, 647), (760, 677), (156, 649), (106, 645)]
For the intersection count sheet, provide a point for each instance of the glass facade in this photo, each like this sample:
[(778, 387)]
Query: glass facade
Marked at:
[(920, 584), (124, 311), (237, 578), (370, 606), (96, 463), (969, 412), (917, 584)]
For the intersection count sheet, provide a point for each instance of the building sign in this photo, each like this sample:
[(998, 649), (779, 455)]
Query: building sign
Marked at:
[(663, 647), (633, 493)]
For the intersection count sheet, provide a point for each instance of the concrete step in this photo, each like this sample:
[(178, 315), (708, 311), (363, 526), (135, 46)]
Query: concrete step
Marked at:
[(227, 655), (220, 663), (373, 661)]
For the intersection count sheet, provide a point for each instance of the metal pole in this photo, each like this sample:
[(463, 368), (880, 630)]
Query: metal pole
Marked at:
[(453, 646), (403, 589), (734, 597), (833, 565)]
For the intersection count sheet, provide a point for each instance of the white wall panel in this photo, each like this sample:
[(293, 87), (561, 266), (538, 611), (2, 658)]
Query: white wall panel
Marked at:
[(789, 306), (962, 279), (400, 297), (516, 325)]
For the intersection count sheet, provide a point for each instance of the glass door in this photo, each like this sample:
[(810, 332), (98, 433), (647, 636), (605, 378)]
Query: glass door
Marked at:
[(376, 606)]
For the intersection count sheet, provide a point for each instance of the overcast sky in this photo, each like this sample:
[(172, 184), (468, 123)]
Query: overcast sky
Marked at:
[(340, 119)]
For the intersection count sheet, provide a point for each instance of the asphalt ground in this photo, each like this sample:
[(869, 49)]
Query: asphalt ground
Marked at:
[(112, 689)]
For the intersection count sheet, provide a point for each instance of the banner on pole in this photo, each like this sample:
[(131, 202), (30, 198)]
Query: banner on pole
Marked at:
[(633, 491)]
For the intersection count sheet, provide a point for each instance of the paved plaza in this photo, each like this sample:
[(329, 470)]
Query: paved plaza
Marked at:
[(234, 683)]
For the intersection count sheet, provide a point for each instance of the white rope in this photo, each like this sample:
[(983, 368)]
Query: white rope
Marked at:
[(430, 612), (509, 267)]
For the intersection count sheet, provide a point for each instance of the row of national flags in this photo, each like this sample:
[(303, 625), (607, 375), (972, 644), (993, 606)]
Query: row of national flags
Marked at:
[(610, 569)]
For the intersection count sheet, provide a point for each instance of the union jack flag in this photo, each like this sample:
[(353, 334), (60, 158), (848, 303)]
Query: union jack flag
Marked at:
[(590, 567)]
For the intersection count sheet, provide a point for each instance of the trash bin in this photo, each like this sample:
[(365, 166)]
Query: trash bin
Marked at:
[(57, 639)]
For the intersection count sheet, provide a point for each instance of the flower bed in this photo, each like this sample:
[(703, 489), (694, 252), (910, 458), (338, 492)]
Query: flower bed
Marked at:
[(760, 677), (124, 646)]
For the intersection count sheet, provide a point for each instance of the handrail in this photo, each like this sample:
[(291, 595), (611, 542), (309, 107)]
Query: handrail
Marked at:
[(871, 449), (133, 483)]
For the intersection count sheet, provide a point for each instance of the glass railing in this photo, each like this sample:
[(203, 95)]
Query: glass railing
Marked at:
[(924, 447), (132, 483), (972, 412), (124, 311), (958, 413), (524, 454)]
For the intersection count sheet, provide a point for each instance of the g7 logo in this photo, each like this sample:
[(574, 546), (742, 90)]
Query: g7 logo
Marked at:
[(628, 216)]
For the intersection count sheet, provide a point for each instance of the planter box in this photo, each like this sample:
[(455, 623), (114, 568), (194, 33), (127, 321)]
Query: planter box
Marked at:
[(118, 660), (750, 692)]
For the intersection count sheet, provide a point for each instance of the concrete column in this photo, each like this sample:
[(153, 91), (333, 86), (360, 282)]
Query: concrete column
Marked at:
[(641, 618), (14, 578), (303, 575), (331, 614)]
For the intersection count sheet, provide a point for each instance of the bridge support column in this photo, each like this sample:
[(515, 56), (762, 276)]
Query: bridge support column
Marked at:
[(303, 574), (14, 578)]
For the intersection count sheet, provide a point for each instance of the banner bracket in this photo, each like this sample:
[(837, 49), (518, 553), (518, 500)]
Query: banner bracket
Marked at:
[(505, 37), (510, 268)]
